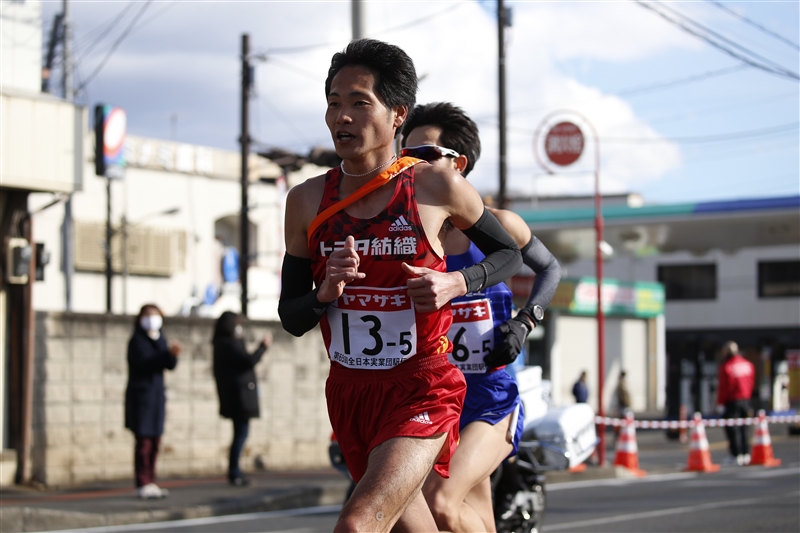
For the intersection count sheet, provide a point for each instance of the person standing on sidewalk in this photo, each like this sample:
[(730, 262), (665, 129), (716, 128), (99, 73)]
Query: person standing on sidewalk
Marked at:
[(623, 401), (736, 380), (145, 400), (237, 387), (580, 389), (623, 395)]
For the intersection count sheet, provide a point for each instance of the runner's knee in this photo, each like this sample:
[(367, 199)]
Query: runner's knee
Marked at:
[(352, 522), (444, 510)]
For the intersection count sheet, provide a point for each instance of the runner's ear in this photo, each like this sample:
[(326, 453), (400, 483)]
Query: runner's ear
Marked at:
[(461, 163), (400, 115)]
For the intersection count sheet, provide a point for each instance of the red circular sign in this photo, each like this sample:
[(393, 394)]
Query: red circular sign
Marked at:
[(564, 143)]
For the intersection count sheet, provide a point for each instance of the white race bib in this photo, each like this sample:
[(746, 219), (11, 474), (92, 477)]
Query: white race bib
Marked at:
[(472, 335), (372, 328)]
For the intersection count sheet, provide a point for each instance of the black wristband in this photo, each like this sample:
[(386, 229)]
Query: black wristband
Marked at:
[(526, 311)]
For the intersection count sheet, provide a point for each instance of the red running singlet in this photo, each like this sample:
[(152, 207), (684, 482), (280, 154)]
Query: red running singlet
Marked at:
[(373, 325)]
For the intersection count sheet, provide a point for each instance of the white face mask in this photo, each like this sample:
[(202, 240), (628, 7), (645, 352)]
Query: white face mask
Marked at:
[(151, 322), (237, 331)]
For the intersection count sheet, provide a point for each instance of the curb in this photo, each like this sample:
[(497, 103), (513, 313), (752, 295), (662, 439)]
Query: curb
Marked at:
[(590, 474), (25, 519)]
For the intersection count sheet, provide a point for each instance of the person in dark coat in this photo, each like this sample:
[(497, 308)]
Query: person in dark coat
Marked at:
[(145, 401), (580, 389), (236, 384)]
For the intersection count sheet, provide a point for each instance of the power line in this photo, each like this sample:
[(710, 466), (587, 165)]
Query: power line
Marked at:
[(723, 38), (754, 24), (642, 89), (793, 126), (712, 110), (295, 69), (115, 45), (304, 48), (779, 71), (103, 28), (680, 81)]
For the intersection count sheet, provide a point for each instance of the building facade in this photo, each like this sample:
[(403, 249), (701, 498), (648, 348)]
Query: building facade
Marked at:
[(41, 150), (730, 270)]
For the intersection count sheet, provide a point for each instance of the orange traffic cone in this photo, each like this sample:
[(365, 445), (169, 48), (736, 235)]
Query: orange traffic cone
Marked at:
[(762, 445), (627, 451), (699, 456)]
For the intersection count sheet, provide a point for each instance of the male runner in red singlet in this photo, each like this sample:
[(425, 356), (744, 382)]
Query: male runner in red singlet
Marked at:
[(382, 292), (485, 335)]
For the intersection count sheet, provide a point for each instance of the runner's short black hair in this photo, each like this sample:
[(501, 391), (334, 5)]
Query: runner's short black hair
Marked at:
[(395, 75), (459, 132)]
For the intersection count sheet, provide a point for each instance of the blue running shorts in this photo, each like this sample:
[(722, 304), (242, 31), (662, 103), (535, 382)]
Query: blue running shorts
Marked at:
[(490, 398)]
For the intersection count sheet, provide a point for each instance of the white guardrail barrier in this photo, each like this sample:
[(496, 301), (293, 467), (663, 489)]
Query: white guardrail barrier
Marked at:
[(707, 422)]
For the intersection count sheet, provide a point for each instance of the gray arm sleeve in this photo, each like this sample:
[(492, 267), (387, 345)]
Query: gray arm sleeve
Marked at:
[(548, 272), (503, 257)]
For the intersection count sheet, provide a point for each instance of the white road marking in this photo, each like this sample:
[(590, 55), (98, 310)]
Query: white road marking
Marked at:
[(619, 481), (666, 512)]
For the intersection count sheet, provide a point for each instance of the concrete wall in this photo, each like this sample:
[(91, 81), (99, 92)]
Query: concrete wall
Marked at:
[(80, 378)]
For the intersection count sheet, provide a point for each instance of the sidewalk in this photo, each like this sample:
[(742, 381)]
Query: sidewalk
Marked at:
[(114, 502)]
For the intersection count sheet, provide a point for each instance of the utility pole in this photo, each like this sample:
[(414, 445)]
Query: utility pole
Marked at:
[(67, 227), (244, 139), (358, 20), (502, 22), (69, 231), (109, 234)]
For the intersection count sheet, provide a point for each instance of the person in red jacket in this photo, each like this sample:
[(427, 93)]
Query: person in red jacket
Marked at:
[(736, 379)]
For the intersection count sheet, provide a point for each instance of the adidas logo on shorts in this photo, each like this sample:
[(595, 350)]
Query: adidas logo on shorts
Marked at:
[(422, 419), (401, 224)]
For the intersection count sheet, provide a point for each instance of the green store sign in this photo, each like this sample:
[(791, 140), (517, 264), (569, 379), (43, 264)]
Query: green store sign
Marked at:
[(579, 297)]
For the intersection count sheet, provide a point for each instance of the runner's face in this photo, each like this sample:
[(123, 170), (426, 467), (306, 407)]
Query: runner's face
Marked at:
[(359, 122), (430, 135)]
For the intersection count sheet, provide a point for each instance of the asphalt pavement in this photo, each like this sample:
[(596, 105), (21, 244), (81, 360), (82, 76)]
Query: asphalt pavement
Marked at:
[(114, 503)]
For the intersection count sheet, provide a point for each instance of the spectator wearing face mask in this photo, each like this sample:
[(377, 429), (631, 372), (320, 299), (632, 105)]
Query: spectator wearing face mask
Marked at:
[(145, 402), (236, 385)]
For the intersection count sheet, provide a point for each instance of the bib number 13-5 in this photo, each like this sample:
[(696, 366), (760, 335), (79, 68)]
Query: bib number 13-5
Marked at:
[(372, 328)]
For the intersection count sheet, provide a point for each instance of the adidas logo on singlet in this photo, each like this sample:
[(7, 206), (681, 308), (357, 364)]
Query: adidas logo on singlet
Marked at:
[(422, 419), (401, 224)]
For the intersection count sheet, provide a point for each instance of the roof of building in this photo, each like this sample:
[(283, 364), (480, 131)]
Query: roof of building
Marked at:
[(651, 229)]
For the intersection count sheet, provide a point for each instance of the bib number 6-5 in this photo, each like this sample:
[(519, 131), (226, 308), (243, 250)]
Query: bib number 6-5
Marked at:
[(461, 351)]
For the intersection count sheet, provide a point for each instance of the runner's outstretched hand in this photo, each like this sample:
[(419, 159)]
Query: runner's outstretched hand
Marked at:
[(341, 269), (430, 289), (514, 331)]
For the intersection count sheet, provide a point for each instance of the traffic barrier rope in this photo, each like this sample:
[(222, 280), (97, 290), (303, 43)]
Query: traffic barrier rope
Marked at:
[(762, 444), (627, 455), (688, 424), (699, 454)]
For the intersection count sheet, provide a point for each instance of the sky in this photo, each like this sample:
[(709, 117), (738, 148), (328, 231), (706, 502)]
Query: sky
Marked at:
[(676, 118)]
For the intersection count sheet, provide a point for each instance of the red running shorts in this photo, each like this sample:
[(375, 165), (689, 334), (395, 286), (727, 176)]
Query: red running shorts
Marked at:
[(415, 399)]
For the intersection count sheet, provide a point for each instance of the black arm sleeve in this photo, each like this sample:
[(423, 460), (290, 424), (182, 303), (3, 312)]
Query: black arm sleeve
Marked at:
[(298, 306), (548, 272), (503, 257)]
